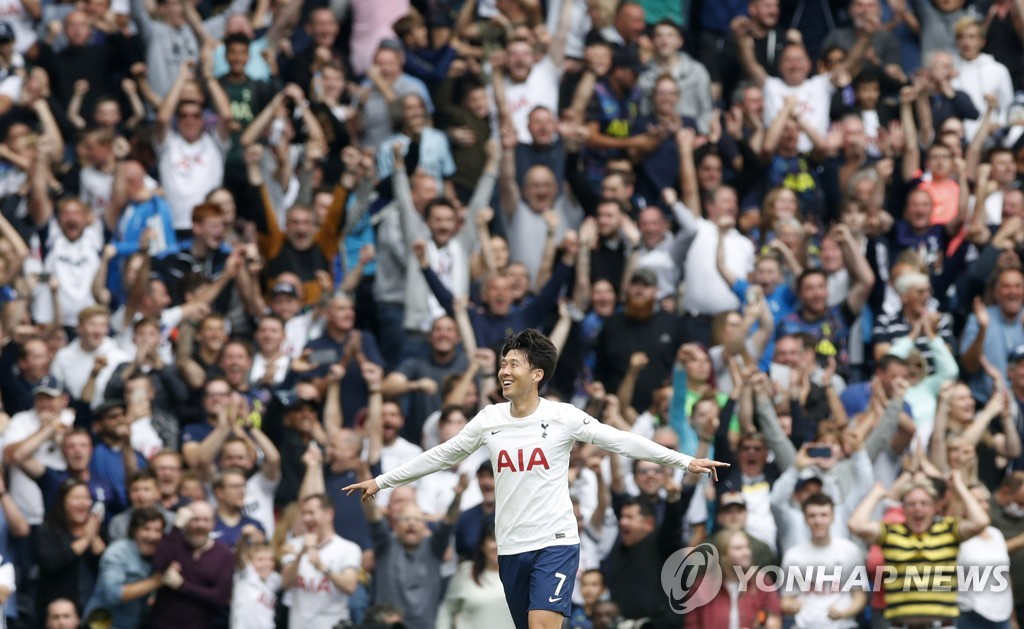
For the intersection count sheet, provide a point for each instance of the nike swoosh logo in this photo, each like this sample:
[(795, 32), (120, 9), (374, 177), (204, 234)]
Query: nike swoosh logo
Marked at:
[(494, 432), (554, 600)]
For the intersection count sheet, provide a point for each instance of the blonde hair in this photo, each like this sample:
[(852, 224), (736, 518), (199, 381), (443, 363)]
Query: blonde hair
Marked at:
[(924, 485), (965, 23)]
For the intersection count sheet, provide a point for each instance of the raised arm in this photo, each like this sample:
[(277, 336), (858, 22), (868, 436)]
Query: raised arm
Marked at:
[(221, 102), (373, 375), (313, 480), (911, 147), (859, 268), (725, 223), (508, 189), (254, 131), (165, 114), (861, 522), (976, 517), (741, 28), (690, 188)]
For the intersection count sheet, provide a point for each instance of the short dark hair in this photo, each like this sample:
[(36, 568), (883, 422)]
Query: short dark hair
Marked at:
[(142, 475), (869, 74), (323, 499), (669, 23), (435, 203), (819, 499), (485, 469), (448, 411), (236, 38), (890, 359), (539, 350), (405, 25), (623, 210), (646, 510), (221, 476), (808, 273), (142, 517), (241, 342)]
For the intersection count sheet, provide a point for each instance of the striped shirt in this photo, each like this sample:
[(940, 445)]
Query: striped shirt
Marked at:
[(925, 565)]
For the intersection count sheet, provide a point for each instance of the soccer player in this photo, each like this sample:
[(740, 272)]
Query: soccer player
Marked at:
[(529, 440)]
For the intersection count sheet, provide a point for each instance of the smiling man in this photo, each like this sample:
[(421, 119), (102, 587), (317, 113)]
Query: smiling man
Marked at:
[(529, 439)]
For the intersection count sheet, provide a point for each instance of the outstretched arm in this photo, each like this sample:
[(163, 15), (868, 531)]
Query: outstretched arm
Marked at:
[(637, 447), (438, 458)]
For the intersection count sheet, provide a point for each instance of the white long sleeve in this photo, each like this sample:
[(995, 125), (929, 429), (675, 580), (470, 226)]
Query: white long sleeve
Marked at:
[(441, 457), (634, 446)]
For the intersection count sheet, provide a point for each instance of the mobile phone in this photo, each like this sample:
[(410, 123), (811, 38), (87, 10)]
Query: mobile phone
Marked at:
[(819, 452), (44, 277), (323, 356), (98, 510)]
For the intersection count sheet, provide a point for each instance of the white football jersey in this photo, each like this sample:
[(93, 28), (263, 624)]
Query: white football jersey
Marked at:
[(530, 457)]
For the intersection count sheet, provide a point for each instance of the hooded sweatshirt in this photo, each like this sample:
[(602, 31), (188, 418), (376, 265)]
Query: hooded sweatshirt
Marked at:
[(980, 76)]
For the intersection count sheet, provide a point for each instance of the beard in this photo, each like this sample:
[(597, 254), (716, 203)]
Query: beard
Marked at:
[(639, 308)]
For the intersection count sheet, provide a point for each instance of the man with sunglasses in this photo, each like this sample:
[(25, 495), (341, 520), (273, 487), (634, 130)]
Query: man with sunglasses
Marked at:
[(190, 157)]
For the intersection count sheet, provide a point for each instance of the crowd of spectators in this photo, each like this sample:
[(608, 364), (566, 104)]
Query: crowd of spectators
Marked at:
[(254, 252)]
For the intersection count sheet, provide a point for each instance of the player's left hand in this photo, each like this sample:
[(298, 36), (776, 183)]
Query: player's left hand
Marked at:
[(705, 466), (368, 487)]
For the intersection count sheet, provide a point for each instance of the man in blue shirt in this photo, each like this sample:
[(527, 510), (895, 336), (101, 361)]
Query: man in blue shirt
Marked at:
[(126, 578), (113, 458), (230, 524), (612, 114)]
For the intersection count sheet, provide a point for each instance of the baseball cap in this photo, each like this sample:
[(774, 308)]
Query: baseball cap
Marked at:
[(391, 44), (290, 400), (645, 276), (6, 32), (807, 475), (730, 498), (1016, 354), (284, 288), (107, 406), (49, 385)]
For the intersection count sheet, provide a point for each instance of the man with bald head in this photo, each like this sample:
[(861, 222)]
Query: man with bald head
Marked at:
[(547, 148), (83, 59), (407, 556), (62, 614), (659, 250), (525, 210), (197, 572)]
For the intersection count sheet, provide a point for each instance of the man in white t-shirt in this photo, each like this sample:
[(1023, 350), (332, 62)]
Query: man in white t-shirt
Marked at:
[(50, 406), (190, 158), (825, 603), (86, 364), (813, 93), (322, 576), (528, 82), (69, 244), (530, 440), (707, 294)]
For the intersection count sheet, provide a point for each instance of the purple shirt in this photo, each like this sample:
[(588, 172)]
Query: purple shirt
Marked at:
[(206, 590)]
